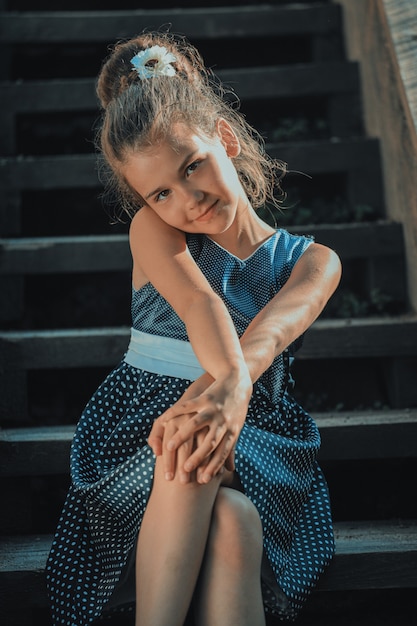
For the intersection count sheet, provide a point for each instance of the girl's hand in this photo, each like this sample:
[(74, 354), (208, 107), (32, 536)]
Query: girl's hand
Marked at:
[(174, 460), (213, 422), (156, 436)]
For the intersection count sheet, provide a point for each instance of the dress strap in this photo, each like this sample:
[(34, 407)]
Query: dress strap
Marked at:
[(162, 355)]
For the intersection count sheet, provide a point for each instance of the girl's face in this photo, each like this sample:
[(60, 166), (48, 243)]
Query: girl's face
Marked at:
[(190, 180)]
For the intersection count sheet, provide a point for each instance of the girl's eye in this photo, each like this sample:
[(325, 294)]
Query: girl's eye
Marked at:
[(162, 195), (192, 167)]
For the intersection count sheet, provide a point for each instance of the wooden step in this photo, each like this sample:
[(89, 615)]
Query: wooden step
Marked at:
[(205, 23), (103, 347), (373, 555), (44, 450), (255, 83), (369, 555), (96, 253), (80, 171)]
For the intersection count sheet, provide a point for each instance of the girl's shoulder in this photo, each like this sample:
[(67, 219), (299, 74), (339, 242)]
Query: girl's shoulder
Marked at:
[(291, 246)]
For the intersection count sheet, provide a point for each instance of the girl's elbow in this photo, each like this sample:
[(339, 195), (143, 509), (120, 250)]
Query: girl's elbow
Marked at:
[(335, 270)]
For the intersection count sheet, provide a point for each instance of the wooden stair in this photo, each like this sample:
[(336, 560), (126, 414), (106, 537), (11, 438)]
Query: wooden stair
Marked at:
[(61, 333)]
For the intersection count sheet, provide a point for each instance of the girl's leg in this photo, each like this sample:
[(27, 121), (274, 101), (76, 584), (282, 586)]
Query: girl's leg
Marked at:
[(171, 546), (229, 588)]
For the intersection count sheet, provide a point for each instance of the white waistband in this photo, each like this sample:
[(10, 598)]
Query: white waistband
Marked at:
[(162, 355)]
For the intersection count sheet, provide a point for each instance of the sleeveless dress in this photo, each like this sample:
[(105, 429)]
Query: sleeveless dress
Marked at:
[(112, 465)]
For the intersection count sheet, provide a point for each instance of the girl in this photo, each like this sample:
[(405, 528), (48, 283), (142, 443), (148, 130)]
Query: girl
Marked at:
[(194, 481)]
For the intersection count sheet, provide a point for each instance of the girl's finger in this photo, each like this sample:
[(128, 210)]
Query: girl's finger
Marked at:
[(173, 460), (156, 437), (183, 453), (169, 457), (175, 410), (206, 448), (182, 407), (188, 429), (202, 406), (217, 460)]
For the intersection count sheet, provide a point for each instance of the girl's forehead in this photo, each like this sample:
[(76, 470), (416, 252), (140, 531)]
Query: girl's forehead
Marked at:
[(181, 136)]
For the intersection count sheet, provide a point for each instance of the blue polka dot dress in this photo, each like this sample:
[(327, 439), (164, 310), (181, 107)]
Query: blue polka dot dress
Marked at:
[(112, 465)]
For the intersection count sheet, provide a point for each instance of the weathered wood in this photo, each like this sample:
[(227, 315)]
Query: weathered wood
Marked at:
[(45, 255), (330, 339), (51, 172), (249, 83), (318, 157), (35, 451), (44, 450), (358, 240), (65, 254), (53, 95), (373, 555), (369, 555), (368, 435), (366, 338), (402, 19), (373, 32), (62, 348), (79, 171), (204, 23)]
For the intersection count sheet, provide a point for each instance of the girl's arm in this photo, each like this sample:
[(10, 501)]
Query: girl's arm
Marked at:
[(295, 307), (160, 256), (287, 316)]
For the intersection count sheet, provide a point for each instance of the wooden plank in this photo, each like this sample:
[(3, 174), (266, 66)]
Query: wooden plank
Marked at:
[(361, 337), (51, 172), (334, 156), (79, 171), (373, 555), (204, 23), (326, 339), (369, 555), (358, 240), (253, 83), (62, 348), (44, 450), (38, 451), (46, 255), (92, 253), (368, 435), (54, 95), (402, 19)]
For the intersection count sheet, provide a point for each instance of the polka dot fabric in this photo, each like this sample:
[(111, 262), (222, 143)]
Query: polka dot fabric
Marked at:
[(112, 465)]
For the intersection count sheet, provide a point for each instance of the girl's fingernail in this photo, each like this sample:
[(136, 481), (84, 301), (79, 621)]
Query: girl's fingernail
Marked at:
[(170, 445), (169, 475)]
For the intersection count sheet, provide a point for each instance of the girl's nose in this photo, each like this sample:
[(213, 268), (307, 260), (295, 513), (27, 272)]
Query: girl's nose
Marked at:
[(194, 197)]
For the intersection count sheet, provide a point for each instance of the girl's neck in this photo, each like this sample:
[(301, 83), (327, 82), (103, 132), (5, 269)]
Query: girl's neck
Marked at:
[(245, 235)]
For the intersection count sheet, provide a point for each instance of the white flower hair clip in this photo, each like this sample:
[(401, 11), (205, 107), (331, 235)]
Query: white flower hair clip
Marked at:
[(153, 62)]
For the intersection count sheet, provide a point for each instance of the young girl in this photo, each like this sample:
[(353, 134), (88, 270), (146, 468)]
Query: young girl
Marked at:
[(195, 489)]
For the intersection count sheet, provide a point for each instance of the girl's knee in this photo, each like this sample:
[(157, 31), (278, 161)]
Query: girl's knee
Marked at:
[(236, 530)]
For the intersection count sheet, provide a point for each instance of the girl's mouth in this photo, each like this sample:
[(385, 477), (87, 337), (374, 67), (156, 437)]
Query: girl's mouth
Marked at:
[(207, 215)]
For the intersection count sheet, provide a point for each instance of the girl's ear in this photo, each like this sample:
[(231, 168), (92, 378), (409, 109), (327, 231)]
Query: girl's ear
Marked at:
[(228, 138)]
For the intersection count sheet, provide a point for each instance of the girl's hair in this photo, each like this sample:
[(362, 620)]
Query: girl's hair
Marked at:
[(139, 112)]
